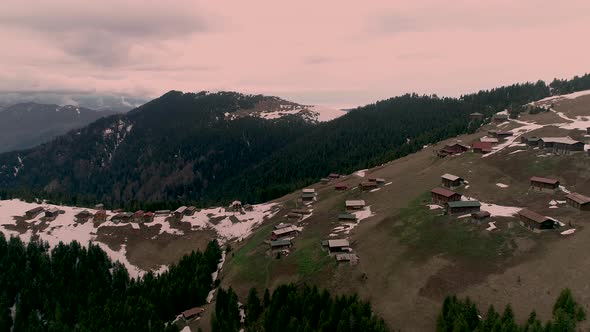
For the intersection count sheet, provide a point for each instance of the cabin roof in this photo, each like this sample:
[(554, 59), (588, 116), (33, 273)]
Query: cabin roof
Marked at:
[(443, 192), (338, 243), (544, 180), (539, 219), (459, 204), (578, 198), (451, 177)]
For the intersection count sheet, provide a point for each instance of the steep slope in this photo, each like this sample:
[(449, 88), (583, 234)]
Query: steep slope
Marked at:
[(176, 147), (183, 147), (28, 124), (411, 255)]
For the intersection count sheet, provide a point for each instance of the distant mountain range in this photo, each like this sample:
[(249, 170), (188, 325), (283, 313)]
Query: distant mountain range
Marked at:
[(29, 124), (99, 102)]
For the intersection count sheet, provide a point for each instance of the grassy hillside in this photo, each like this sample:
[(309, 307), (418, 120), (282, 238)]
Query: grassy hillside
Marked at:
[(411, 257)]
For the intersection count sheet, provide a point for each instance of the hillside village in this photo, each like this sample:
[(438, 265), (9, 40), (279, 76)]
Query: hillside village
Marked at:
[(466, 215)]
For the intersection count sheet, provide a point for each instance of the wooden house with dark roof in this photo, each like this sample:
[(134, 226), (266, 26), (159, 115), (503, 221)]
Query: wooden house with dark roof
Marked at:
[(481, 147), (534, 220), (100, 216), (563, 145), (32, 213), (279, 245), (481, 215), (148, 217), (451, 149), (83, 216), (462, 207), (578, 201), (541, 183), (192, 313), (451, 181), (443, 196), (346, 217), (341, 186), (52, 213), (368, 185)]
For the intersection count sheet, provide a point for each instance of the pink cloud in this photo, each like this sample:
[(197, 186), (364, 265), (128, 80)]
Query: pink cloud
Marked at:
[(314, 52)]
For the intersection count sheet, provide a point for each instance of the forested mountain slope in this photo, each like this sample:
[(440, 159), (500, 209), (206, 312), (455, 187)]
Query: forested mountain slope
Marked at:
[(29, 124), (181, 148)]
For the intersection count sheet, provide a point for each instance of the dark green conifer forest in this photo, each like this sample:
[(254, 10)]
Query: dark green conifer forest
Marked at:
[(72, 288)]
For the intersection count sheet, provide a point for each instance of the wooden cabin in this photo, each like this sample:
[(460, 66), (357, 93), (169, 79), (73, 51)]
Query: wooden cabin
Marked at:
[(179, 213), (283, 232), (334, 176), (358, 204), (122, 217), (325, 180), (148, 217), (192, 313), (346, 257), (534, 220), (481, 147), (541, 183), (162, 213), (32, 213), (443, 196), (462, 207), (279, 245), (308, 195), (52, 213), (282, 225), (368, 185), (578, 201), (501, 134), (562, 145), (450, 180), (339, 245), (83, 216), (346, 217), (341, 186), (481, 215), (100, 216), (451, 149), (191, 210), (138, 216), (235, 206)]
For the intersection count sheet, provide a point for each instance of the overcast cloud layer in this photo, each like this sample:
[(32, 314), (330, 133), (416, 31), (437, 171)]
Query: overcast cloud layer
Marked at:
[(341, 53)]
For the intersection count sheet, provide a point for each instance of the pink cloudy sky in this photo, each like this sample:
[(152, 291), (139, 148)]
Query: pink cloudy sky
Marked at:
[(341, 53)]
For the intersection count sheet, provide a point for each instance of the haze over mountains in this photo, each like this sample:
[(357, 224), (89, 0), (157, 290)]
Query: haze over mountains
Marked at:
[(95, 101), (26, 125)]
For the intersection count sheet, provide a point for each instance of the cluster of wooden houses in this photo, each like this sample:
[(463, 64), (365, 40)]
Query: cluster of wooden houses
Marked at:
[(341, 250), (453, 204), (48, 213), (282, 235)]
